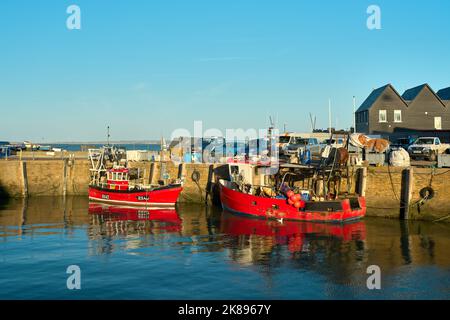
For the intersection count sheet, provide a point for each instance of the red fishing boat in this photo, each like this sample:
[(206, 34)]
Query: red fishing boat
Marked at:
[(237, 201), (112, 182)]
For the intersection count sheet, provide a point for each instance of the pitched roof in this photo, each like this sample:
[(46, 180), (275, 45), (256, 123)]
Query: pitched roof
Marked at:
[(412, 93), (373, 97), (370, 100), (444, 94)]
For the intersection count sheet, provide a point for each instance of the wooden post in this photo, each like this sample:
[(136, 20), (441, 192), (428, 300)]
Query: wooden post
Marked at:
[(361, 175), (65, 178), (24, 179), (181, 170), (210, 183), (406, 193), (152, 173), (348, 180)]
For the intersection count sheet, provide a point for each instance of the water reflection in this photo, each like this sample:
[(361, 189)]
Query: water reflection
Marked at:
[(338, 252), (261, 237), (116, 220)]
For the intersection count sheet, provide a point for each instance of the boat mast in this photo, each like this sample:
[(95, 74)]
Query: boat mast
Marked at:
[(354, 114), (329, 116), (163, 172), (107, 135)]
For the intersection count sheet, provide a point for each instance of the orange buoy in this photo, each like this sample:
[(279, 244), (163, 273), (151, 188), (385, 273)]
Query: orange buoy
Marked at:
[(297, 204), (297, 197), (290, 193), (290, 202)]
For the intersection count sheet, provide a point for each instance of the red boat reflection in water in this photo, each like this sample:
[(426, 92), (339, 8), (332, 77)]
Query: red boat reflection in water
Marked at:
[(167, 218), (290, 233)]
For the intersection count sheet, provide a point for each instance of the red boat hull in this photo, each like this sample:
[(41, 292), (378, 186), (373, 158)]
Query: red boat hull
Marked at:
[(162, 197), (271, 208)]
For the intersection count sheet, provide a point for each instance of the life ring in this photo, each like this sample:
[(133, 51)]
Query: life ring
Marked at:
[(195, 176), (426, 193)]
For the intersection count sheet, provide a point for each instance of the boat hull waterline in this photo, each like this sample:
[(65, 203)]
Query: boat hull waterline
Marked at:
[(336, 211), (160, 197)]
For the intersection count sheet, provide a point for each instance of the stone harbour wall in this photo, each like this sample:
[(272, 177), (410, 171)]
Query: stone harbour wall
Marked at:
[(56, 177)]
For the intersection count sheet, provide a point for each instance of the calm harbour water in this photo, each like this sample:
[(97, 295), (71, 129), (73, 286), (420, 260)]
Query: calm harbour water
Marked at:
[(203, 253)]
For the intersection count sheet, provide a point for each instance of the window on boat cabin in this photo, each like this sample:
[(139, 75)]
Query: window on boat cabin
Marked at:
[(234, 170), (397, 115), (382, 116)]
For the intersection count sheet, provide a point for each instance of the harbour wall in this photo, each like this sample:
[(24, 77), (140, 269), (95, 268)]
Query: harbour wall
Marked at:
[(31, 178)]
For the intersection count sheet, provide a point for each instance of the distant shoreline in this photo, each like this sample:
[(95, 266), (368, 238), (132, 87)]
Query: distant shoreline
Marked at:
[(96, 142)]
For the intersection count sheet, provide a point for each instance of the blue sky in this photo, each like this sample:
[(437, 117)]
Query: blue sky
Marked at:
[(148, 67)]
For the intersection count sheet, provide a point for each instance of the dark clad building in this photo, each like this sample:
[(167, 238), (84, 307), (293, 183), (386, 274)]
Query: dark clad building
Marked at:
[(419, 111), (444, 95)]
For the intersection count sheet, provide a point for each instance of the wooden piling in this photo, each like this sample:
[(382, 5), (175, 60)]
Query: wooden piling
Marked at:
[(152, 173), (406, 193), (65, 178), (361, 175), (210, 183), (181, 170), (24, 179)]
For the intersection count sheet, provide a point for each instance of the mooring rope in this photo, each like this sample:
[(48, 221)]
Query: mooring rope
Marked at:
[(392, 183)]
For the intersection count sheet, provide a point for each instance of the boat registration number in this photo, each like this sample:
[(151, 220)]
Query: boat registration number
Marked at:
[(143, 198)]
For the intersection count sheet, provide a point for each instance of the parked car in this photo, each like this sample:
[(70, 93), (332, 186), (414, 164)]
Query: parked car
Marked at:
[(5, 151), (299, 145), (335, 142), (402, 143), (427, 148)]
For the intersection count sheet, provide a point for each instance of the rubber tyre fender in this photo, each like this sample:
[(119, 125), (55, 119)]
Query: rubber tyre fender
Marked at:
[(427, 193), (195, 176)]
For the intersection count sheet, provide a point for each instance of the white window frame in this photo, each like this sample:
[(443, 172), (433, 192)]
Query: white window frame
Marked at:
[(380, 112), (436, 127), (396, 113)]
